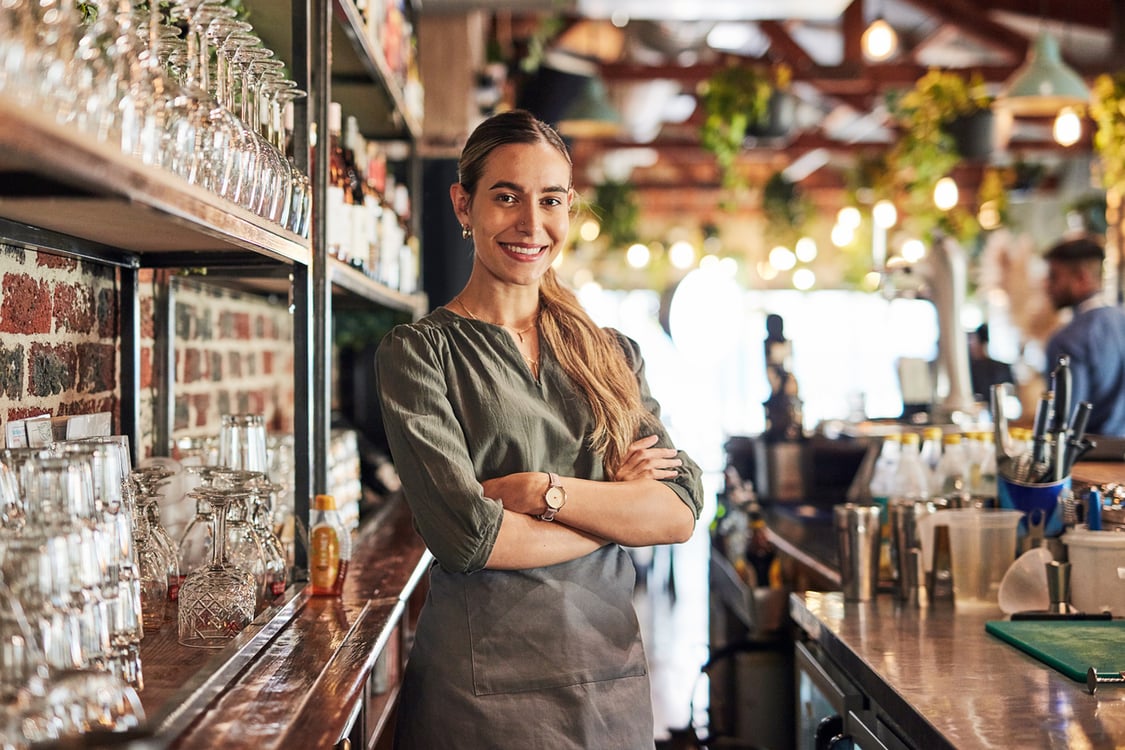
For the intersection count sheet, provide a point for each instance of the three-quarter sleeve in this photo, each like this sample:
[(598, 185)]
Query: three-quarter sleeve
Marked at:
[(427, 443), (688, 480)]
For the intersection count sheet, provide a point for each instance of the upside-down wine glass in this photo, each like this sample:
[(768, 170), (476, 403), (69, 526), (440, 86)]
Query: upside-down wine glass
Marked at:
[(218, 600)]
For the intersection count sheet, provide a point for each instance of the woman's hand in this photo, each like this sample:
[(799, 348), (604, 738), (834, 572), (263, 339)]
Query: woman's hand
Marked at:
[(522, 492), (643, 461)]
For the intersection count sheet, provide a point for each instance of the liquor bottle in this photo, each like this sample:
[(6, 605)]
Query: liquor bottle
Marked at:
[(760, 552), (330, 548), (336, 213), (911, 481)]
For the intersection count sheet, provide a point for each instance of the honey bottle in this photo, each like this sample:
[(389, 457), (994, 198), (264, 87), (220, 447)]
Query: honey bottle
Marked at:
[(330, 548)]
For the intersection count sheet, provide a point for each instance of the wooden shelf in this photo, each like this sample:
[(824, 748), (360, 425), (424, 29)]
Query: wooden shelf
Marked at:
[(59, 187), (362, 80)]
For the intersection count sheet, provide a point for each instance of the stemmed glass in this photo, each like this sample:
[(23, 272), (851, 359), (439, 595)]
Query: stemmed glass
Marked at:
[(218, 600)]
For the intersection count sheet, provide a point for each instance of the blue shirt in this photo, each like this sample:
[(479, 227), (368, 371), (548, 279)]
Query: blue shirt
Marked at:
[(1095, 342)]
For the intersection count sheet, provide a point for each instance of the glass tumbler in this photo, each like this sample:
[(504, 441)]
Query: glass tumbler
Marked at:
[(216, 601), (242, 442)]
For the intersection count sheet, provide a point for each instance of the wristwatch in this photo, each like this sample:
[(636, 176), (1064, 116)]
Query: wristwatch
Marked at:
[(555, 497)]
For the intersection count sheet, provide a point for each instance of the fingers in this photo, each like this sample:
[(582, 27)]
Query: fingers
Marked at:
[(644, 461)]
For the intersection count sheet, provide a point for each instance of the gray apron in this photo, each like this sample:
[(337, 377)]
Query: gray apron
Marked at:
[(545, 658)]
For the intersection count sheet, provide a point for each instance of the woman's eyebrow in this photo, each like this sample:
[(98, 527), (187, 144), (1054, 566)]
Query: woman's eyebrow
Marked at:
[(505, 184)]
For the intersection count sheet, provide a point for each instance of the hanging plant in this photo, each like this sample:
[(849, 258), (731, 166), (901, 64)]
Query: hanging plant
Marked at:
[(615, 206), (735, 99), (926, 149), (785, 207), (1107, 107)]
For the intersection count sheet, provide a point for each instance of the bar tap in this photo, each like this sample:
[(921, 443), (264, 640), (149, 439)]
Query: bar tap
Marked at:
[(940, 277)]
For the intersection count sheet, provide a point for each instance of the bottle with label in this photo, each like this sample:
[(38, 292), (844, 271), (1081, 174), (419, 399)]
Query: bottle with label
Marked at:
[(952, 475), (760, 553), (330, 548)]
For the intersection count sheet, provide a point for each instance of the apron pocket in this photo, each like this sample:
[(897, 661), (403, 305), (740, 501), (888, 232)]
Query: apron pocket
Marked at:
[(541, 628)]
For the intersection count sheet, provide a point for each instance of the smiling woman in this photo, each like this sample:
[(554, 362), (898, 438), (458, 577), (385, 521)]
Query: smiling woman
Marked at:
[(532, 454)]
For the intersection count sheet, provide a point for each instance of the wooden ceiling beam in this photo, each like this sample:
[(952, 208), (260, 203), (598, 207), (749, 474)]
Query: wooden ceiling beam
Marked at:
[(973, 22), (786, 47)]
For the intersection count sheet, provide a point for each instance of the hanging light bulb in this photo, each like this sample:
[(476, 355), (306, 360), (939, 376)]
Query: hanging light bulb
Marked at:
[(879, 40), (945, 193), (884, 214), (1068, 127)]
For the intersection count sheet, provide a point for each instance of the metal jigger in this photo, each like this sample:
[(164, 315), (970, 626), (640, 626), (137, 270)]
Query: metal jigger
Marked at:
[(1058, 586)]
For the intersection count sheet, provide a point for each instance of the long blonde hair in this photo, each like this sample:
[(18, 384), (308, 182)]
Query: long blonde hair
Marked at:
[(592, 357)]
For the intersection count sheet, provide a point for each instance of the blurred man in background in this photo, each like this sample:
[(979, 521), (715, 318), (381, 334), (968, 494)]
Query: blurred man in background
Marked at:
[(1094, 339)]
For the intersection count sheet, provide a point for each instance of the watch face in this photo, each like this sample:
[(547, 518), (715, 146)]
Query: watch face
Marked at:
[(555, 497)]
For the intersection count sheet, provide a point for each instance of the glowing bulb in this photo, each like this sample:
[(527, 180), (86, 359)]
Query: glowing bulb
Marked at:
[(879, 40), (849, 217), (767, 272), (913, 251), (638, 255), (782, 258), (885, 214), (728, 267), (1068, 127), (842, 235), (988, 215), (945, 193), (872, 280), (589, 230), (806, 249), (803, 279), (682, 254)]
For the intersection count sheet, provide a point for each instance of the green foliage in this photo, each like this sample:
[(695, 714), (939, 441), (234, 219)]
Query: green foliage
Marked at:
[(925, 151), (734, 99), (615, 205), (1107, 107), (357, 329), (785, 207)]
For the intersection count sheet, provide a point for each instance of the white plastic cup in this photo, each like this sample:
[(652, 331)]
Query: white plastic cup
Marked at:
[(1097, 570), (982, 545)]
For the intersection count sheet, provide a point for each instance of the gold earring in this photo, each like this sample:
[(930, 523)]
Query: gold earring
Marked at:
[(466, 231)]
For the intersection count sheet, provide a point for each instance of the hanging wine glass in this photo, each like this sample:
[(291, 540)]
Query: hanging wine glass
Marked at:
[(216, 601)]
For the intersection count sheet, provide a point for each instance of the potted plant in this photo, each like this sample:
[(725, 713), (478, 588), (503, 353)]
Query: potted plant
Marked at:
[(615, 206), (737, 103), (945, 110), (785, 207), (1107, 107)]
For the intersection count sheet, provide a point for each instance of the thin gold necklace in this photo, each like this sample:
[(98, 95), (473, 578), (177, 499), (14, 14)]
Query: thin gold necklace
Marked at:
[(532, 362), (518, 332)]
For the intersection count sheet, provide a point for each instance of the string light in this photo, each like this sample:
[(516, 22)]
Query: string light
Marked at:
[(879, 40), (946, 193), (1068, 127)]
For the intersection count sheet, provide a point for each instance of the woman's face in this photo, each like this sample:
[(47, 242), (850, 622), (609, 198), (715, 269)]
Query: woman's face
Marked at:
[(520, 213)]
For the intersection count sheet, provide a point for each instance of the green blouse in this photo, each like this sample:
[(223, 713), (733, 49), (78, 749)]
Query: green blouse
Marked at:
[(460, 405)]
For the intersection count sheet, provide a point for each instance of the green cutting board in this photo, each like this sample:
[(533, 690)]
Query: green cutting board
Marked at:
[(1071, 647)]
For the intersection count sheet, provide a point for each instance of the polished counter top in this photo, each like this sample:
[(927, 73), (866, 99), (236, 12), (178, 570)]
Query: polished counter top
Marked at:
[(297, 675), (948, 683), (943, 680)]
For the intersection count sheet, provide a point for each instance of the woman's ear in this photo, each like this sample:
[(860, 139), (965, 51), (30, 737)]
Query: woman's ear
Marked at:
[(461, 201)]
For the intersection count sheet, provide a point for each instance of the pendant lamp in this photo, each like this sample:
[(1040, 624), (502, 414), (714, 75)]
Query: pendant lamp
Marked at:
[(590, 115), (1044, 84)]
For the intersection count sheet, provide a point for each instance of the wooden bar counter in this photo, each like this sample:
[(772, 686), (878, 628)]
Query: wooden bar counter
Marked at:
[(309, 673)]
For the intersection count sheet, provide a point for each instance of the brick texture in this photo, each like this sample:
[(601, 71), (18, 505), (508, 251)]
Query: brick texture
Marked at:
[(58, 336), (60, 353)]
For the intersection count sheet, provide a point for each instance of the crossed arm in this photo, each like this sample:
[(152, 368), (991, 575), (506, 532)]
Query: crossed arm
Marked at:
[(633, 508)]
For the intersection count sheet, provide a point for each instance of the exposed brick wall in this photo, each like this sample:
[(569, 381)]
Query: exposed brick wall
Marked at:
[(59, 349), (58, 344), (234, 354)]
